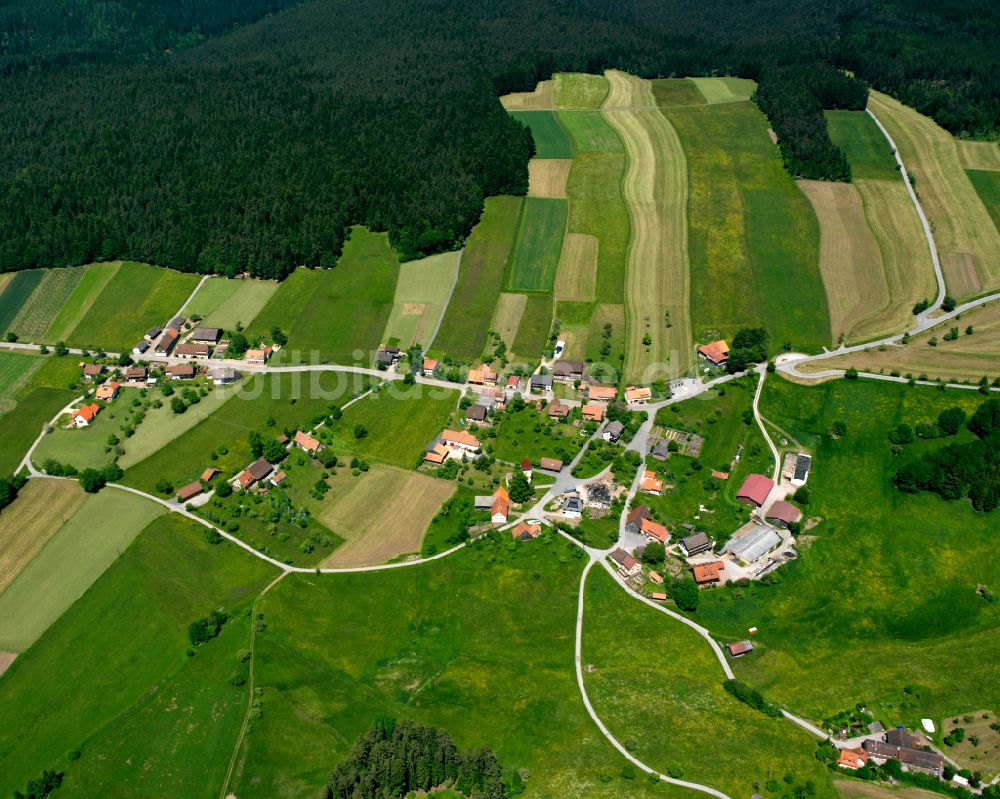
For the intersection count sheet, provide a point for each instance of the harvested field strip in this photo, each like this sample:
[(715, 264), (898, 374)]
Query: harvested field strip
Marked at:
[(547, 177), (535, 258), (967, 358), (95, 277), (412, 500), (596, 208), (243, 306), (906, 259), (507, 316), (42, 507), (979, 154), (542, 97), (536, 322), (987, 186), (70, 563), (867, 150), (656, 287), (44, 303), (590, 132), (577, 275), (16, 294), (551, 141), (579, 90), (480, 279), (627, 91), (677, 91), (421, 295), (725, 90), (960, 220), (849, 259)]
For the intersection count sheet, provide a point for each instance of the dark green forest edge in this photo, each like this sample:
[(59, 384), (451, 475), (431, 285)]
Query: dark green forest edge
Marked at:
[(248, 136)]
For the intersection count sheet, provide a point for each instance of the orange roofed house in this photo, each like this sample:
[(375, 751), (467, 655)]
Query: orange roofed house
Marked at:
[(451, 444), (707, 573), (636, 395), (85, 414), (651, 484), (715, 352), (853, 759), (592, 413), (653, 531), (107, 391), (307, 443), (526, 532), (601, 393)]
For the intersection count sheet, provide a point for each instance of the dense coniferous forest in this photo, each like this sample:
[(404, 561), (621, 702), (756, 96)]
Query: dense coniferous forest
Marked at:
[(394, 758), (188, 135)]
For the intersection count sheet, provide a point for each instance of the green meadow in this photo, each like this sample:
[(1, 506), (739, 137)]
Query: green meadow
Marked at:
[(657, 686), (536, 322), (590, 132), (15, 370), (480, 279), (882, 608), (532, 435), (753, 238), (579, 90), (550, 138), (111, 678), (677, 91), (225, 303), (867, 150), (339, 314), (421, 296), (535, 258), (15, 294), (987, 186), (88, 288)]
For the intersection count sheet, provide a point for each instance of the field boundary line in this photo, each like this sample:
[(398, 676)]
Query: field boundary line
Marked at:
[(447, 302)]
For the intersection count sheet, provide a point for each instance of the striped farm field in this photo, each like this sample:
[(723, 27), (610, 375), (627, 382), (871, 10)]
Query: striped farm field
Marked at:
[(543, 96), (412, 499), (590, 132), (535, 258), (480, 279), (551, 141), (577, 275), (547, 177), (987, 186), (226, 303), (753, 238), (979, 154), (92, 282), (16, 294), (677, 91), (725, 90), (421, 295), (962, 225), (507, 316), (627, 91), (44, 303), (536, 322), (579, 90), (866, 148), (655, 193)]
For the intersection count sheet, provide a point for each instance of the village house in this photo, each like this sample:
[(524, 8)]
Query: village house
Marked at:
[(654, 531), (153, 333), (635, 517), (258, 357), (627, 565), (224, 376), (430, 367), (387, 356), (613, 431), (180, 371), (902, 746), (177, 323), (254, 473), (482, 376), (695, 544), (755, 490), (601, 393), (803, 464), (136, 374), (660, 450), (140, 349), (656, 577), (307, 443), (277, 478), (476, 413), (209, 474), (568, 371), (715, 352), (526, 532), (192, 351), (107, 391), (93, 370), (189, 492), (592, 413), (853, 759), (739, 649), (783, 513), (720, 475), (541, 383), (85, 414), (500, 507), (206, 335), (557, 409), (658, 596), (167, 341), (708, 573), (636, 395), (651, 484), (551, 464), (572, 506), (513, 385), (451, 444)]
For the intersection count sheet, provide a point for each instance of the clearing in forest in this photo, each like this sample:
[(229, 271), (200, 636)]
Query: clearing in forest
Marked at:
[(43, 304), (535, 258), (541, 98), (42, 507), (409, 499), (961, 223), (866, 148), (655, 192), (507, 316), (547, 177), (421, 296), (579, 90), (577, 275), (551, 141)]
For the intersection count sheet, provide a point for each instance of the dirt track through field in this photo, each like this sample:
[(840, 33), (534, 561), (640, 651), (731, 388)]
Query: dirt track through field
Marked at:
[(547, 177), (542, 97), (577, 275), (960, 220), (655, 190)]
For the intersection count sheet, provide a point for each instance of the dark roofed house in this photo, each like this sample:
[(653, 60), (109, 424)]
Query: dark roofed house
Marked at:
[(192, 351), (135, 374), (568, 370), (541, 383), (92, 370), (632, 523), (180, 371), (140, 348), (177, 323), (627, 565), (206, 335), (803, 463), (557, 409), (255, 472), (614, 431), (695, 544), (167, 342), (660, 451), (783, 513), (900, 745), (476, 413), (153, 332), (755, 490)]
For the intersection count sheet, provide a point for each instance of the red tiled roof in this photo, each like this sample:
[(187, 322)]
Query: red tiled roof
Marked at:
[(717, 351), (708, 572), (756, 488)]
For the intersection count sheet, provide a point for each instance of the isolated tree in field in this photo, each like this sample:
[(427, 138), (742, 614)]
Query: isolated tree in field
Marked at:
[(112, 473), (851, 374), (520, 489), (948, 304), (91, 480), (360, 431), (164, 486), (177, 405), (278, 337), (950, 421), (903, 434), (839, 429)]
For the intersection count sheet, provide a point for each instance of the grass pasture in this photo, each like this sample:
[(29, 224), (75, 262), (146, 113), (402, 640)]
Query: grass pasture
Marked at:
[(111, 677), (987, 186), (547, 177), (331, 315), (225, 303), (656, 286), (529, 434), (590, 132), (42, 507), (421, 296), (406, 502), (137, 297), (543, 96), (613, 314), (15, 370), (480, 279), (867, 150), (535, 258), (89, 541), (551, 140), (979, 154), (15, 295), (507, 316), (579, 90), (89, 287), (576, 278), (20, 427), (961, 222), (660, 687), (43, 304), (677, 91), (725, 90), (983, 755), (536, 323)]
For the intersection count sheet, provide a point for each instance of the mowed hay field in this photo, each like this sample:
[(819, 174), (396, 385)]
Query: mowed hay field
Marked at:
[(42, 507), (480, 279), (92, 282), (421, 296), (579, 90), (576, 278), (507, 316), (334, 314), (88, 541), (225, 303), (542, 97), (15, 371), (590, 132), (979, 154), (967, 358), (547, 177), (866, 300), (866, 148), (41, 306), (725, 90), (551, 140), (655, 192), (677, 91), (962, 225), (753, 238), (382, 514), (535, 258), (536, 322)]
